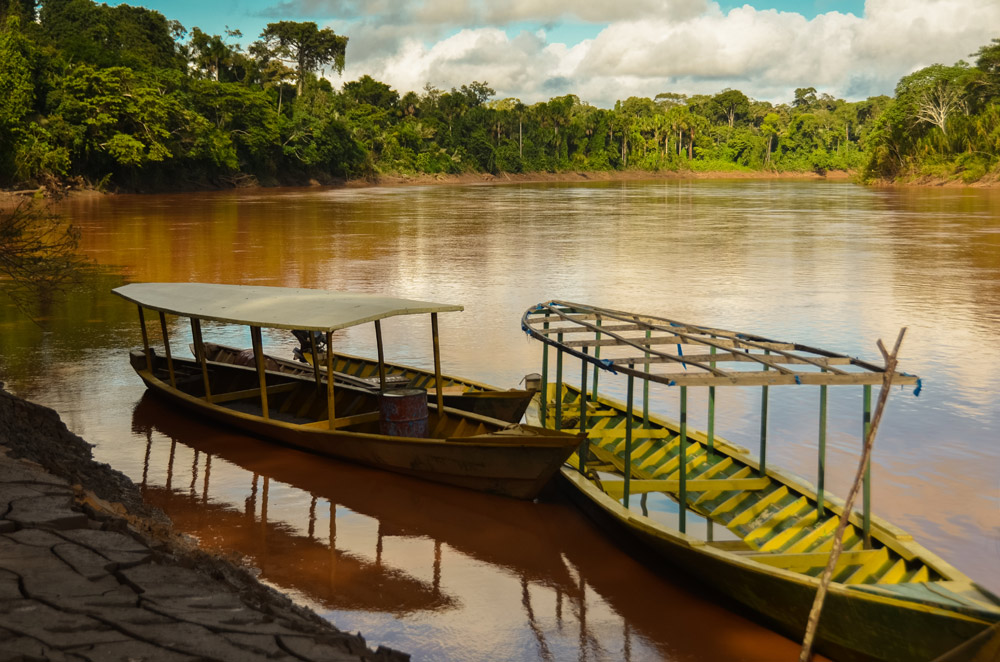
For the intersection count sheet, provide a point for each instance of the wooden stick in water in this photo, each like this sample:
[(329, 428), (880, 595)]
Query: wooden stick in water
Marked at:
[(838, 537)]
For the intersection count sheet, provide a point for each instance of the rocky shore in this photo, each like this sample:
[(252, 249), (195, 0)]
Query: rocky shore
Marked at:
[(89, 572)]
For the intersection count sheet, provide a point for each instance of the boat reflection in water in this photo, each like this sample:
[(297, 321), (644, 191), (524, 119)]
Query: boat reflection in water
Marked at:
[(439, 572)]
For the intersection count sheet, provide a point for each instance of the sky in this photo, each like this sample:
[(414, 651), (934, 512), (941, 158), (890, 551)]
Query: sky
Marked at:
[(607, 50)]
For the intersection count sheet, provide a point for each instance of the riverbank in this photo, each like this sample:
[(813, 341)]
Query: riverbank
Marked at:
[(88, 571), (11, 198)]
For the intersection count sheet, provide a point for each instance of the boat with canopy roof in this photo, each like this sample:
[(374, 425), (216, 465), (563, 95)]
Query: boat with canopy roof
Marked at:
[(459, 393), (393, 429), (757, 534)]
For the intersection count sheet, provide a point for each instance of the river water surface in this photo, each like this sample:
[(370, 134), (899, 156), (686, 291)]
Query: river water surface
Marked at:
[(446, 574)]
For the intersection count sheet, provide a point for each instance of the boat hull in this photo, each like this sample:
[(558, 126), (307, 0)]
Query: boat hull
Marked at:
[(514, 461), (854, 626)]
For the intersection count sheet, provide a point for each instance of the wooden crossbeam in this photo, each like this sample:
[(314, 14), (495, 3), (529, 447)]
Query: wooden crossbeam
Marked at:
[(813, 560), (343, 422), (616, 488), (253, 392)]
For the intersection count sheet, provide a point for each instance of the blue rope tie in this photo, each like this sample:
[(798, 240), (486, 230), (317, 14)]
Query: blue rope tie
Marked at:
[(920, 385), (609, 365), (797, 380)]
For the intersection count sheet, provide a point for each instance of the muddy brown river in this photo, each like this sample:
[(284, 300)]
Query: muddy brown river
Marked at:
[(450, 575)]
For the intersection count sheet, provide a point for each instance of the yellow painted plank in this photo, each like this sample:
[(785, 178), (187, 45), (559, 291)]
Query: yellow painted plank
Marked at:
[(730, 503), (674, 463), (695, 457), (748, 514), (869, 567), (767, 528), (709, 496), (894, 574), (921, 575), (653, 458), (616, 489), (801, 562), (821, 531), (637, 433), (779, 540)]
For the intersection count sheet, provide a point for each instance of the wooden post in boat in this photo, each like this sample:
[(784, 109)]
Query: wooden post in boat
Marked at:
[(682, 492), (381, 356), (585, 444), (821, 478), (330, 408), (258, 355), (543, 398), (559, 383), (838, 537), (437, 364), (597, 355), (630, 397), (866, 490), (199, 350), (763, 424), (166, 349), (645, 385), (315, 351), (145, 340), (711, 412)]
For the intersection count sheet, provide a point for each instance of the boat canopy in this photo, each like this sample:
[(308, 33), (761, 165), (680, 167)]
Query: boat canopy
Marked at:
[(675, 353), (274, 307)]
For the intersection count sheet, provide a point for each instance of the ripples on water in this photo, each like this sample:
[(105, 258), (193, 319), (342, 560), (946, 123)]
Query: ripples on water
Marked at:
[(449, 575)]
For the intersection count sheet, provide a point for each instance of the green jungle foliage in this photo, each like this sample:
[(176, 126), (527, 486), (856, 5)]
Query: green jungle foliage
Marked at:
[(121, 96)]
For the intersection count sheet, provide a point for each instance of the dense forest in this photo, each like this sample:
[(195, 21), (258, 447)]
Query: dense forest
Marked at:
[(122, 97)]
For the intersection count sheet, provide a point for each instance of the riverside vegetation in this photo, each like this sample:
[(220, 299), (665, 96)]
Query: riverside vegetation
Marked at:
[(122, 97)]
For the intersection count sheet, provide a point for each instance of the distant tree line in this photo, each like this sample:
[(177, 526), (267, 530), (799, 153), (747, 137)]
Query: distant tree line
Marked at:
[(121, 96)]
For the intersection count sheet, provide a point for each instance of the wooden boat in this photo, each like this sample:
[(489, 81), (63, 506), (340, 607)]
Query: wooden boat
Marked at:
[(767, 534), (393, 430), (459, 393)]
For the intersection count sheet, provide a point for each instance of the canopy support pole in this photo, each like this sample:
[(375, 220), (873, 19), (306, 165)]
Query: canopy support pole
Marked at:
[(866, 494), (381, 355), (315, 351), (330, 409), (585, 444), (559, 384), (145, 340), (199, 350), (597, 355), (628, 433), (258, 355), (645, 385), (711, 414), (682, 492), (438, 387), (763, 424), (166, 348), (543, 399), (821, 478)]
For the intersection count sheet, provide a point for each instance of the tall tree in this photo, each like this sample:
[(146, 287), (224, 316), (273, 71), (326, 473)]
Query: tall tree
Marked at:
[(732, 104), (306, 45)]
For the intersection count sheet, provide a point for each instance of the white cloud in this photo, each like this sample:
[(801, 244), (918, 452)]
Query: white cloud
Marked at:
[(653, 46)]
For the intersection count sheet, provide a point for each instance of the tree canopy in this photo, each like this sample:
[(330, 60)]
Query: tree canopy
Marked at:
[(123, 97)]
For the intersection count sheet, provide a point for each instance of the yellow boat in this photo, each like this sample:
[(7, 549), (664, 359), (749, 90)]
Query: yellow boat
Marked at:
[(396, 430), (763, 536)]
